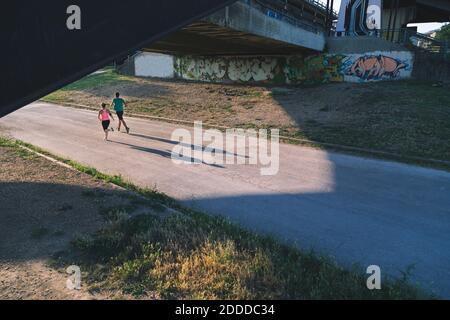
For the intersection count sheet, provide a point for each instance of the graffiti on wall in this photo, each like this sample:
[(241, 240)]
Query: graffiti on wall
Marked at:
[(220, 69), (321, 68), (377, 66), (313, 69), (372, 67)]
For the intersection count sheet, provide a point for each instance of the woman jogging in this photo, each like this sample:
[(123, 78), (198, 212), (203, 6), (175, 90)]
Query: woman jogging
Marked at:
[(119, 104), (104, 117)]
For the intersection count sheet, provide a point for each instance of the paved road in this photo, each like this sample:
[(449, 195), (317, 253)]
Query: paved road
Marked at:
[(355, 209)]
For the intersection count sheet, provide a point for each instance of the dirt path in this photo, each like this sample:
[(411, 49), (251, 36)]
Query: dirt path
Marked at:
[(43, 207)]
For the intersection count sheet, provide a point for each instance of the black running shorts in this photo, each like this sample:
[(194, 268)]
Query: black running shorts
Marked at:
[(120, 115), (106, 124)]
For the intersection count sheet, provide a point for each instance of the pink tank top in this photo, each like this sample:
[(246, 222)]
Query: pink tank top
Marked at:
[(104, 115)]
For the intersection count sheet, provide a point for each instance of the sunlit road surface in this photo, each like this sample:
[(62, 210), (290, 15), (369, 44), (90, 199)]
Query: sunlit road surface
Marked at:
[(357, 210)]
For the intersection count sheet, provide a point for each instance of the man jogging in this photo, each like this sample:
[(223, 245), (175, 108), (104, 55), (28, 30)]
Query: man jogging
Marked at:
[(119, 105)]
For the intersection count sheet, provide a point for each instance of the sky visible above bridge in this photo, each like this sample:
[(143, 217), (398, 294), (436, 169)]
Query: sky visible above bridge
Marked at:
[(422, 27)]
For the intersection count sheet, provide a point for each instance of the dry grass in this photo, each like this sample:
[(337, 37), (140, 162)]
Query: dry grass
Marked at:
[(194, 256), (145, 251)]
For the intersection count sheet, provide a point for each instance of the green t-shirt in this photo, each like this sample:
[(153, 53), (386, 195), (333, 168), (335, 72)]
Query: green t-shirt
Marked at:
[(118, 104)]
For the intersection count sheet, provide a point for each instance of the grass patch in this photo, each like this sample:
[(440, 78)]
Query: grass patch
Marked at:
[(58, 233), (409, 118), (280, 92), (7, 143), (150, 194), (94, 194), (102, 78), (195, 256), (65, 208), (39, 233), (13, 145)]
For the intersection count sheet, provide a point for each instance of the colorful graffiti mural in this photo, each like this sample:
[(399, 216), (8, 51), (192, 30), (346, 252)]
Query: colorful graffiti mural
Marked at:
[(313, 69), (321, 68), (236, 69), (376, 67)]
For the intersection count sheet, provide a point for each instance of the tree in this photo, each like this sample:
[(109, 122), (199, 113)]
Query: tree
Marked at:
[(444, 33)]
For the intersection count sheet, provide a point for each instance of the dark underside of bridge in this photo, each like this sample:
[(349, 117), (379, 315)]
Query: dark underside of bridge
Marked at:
[(204, 38), (433, 10), (41, 52), (426, 10)]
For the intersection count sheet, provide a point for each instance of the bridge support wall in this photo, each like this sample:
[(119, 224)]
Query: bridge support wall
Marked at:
[(277, 70), (243, 17)]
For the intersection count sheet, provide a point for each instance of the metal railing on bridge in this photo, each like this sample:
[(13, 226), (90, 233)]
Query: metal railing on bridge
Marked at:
[(429, 44), (416, 40), (408, 38), (321, 5), (275, 10)]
